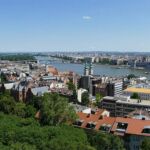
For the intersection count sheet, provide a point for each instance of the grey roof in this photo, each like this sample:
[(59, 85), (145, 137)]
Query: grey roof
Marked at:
[(78, 108), (39, 90)]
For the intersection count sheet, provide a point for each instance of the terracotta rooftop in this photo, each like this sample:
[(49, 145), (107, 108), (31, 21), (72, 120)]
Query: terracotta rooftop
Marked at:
[(133, 126)]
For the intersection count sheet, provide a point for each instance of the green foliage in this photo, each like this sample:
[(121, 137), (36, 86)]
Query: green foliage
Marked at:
[(30, 111), (98, 98), (130, 76), (104, 141), (74, 95), (24, 110), (33, 136), (135, 96), (21, 131), (71, 86), (7, 103), (105, 61), (2, 78), (17, 57), (35, 102), (2, 89), (85, 98), (55, 110), (9, 106), (145, 144), (22, 146)]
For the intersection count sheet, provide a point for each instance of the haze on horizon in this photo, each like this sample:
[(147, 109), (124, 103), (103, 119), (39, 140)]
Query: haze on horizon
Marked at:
[(74, 25)]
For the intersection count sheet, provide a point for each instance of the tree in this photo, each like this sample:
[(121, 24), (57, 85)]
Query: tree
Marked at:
[(145, 144), (98, 98), (25, 134), (7, 103), (19, 109), (104, 141), (85, 98), (30, 111), (71, 86), (2, 78), (130, 76), (74, 95), (135, 96), (22, 146), (55, 110), (3, 89)]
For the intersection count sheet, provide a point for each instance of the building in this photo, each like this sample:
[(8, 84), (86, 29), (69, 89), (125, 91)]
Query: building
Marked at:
[(108, 88), (79, 94), (88, 69), (115, 87), (131, 130), (39, 91), (122, 105), (101, 89), (143, 93), (19, 90), (139, 114), (85, 82)]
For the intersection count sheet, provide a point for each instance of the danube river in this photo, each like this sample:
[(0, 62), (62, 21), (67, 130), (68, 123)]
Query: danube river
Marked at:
[(98, 69)]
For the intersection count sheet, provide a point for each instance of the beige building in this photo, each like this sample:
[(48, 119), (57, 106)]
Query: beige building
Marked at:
[(144, 93)]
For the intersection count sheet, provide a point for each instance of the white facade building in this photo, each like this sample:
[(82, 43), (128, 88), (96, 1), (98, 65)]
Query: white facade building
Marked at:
[(79, 94)]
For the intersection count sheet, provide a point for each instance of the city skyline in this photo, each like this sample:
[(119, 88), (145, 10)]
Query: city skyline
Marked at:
[(88, 25)]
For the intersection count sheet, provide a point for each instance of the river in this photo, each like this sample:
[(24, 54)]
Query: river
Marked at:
[(98, 68)]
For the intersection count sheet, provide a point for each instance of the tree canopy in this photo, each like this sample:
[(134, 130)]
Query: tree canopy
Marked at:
[(19, 130), (104, 141), (26, 134), (98, 98), (85, 98), (145, 144), (135, 96), (17, 57), (56, 110)]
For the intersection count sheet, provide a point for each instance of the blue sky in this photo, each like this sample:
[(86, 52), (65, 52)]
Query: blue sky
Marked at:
[(74, 25)]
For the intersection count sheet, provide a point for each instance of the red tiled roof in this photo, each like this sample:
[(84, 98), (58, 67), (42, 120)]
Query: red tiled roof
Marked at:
[(95, 118), (135, 126)]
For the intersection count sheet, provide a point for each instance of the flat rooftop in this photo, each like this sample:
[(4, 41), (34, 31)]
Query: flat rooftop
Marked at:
[(138, 90), (135, 102)]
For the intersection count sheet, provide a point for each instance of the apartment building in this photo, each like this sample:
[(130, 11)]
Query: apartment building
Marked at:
[(115, 87), (131, 130), (120, 106)]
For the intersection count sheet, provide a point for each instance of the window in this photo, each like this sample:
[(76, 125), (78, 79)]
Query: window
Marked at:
[(146, 130), (91, 125), (105, 128), (78, 122), (122, 126)]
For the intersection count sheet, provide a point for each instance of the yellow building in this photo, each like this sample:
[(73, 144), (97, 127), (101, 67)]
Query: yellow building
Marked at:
[(144, 93)]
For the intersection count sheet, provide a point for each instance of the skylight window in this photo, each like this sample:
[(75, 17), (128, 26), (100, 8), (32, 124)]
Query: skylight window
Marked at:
[(146, 130), (91, 125), (122, 126), (105, 127), (78, 122)]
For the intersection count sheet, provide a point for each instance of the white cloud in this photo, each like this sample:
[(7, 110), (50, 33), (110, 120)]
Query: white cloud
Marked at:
[(86, 17)]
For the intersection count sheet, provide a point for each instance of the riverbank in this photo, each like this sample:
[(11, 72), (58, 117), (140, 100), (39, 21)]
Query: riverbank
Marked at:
[(99, 69)]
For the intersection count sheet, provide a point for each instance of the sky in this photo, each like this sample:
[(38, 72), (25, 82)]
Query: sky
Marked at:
[(74, 25)]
